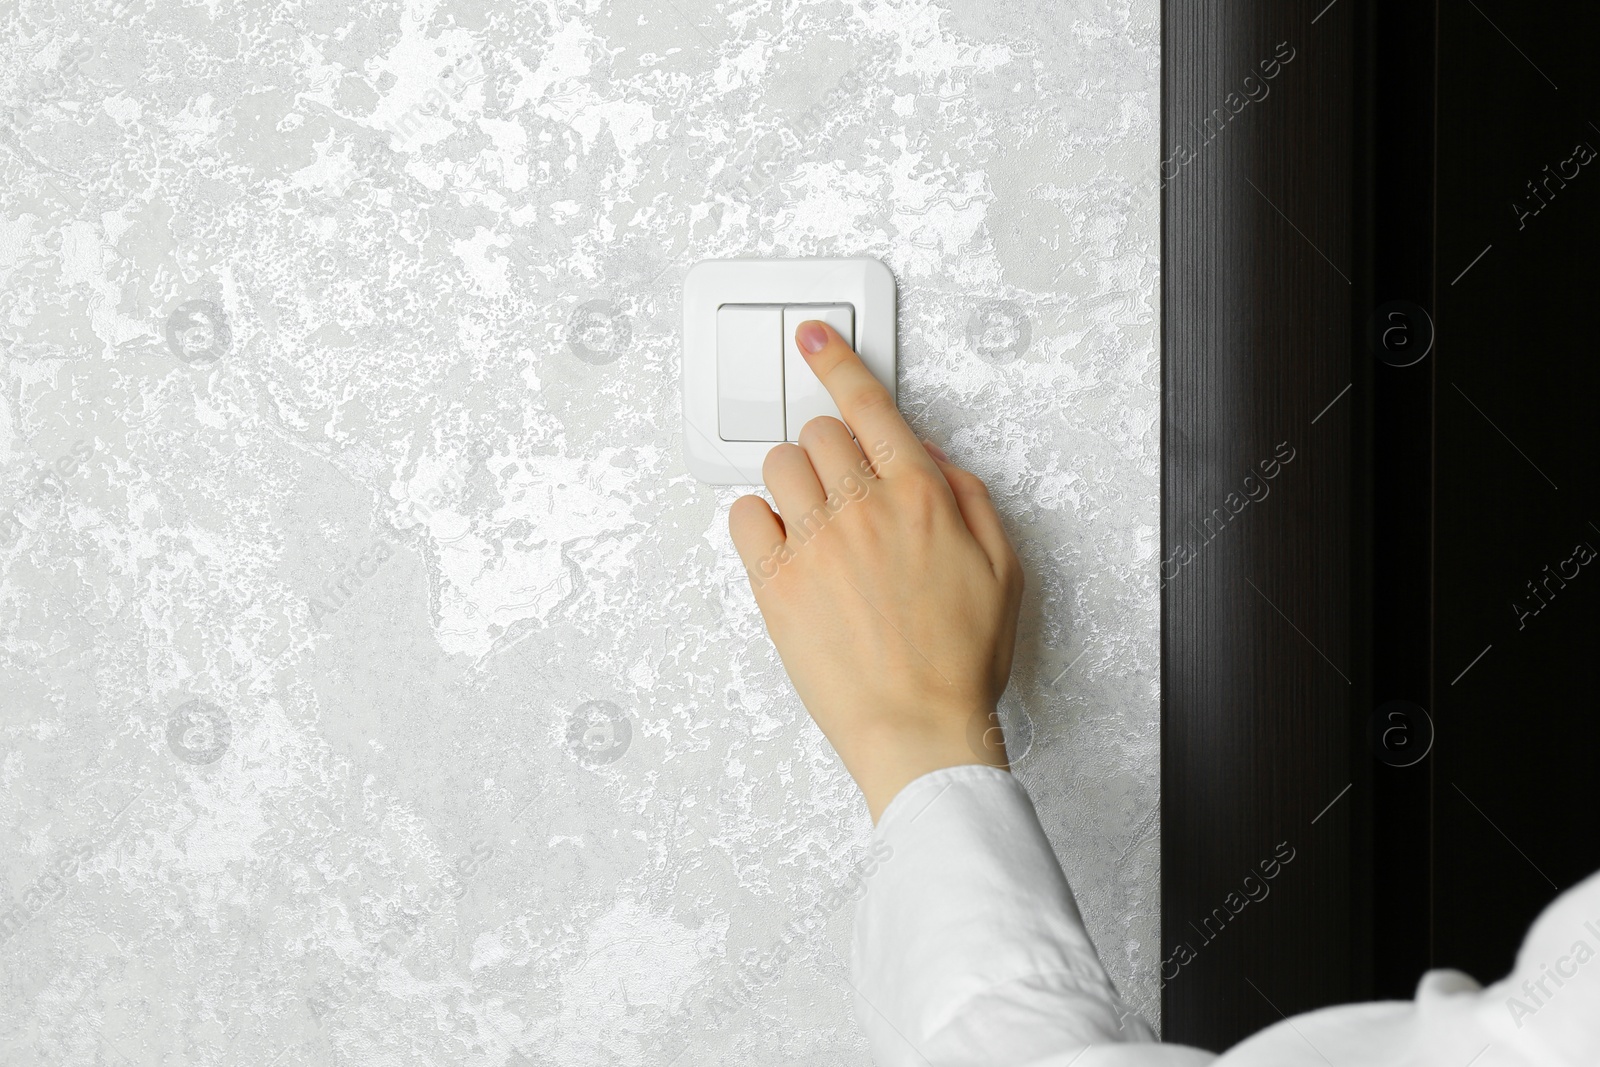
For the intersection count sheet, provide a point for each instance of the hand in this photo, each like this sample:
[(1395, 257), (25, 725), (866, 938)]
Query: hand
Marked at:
[(886, 581)]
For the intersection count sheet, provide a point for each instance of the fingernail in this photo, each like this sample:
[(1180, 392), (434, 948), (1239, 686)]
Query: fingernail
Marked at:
[(938, 453), (811, 336)]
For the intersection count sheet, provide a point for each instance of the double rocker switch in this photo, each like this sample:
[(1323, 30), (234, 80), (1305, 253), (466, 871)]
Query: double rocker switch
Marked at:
[(746, 386), (765, 388)]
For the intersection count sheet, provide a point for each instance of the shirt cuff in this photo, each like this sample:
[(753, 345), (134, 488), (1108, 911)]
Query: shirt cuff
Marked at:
[(968, 945)]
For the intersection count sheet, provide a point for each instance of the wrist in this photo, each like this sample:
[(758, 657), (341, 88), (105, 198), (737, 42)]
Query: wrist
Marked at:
[(885, 760)]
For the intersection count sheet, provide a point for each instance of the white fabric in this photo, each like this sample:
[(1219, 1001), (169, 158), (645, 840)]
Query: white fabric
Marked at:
[(969, 949)]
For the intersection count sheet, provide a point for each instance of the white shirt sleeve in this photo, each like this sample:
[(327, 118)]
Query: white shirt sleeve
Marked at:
[(969, 950)]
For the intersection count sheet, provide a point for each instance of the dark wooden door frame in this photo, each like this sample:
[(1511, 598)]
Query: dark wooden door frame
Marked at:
[(1263, 789), (1345, 529)]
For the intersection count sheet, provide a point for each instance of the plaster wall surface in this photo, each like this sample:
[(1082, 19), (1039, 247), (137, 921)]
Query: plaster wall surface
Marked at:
[(377, 687)]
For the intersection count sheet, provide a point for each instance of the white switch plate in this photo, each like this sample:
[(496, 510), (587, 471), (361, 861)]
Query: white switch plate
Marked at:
[(863, 283)]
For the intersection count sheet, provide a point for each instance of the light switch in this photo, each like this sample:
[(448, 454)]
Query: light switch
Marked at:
[(804, 396), (739, 318), (750, 372)]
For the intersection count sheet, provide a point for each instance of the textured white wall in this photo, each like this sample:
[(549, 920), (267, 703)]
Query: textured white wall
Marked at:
[(377, 686)]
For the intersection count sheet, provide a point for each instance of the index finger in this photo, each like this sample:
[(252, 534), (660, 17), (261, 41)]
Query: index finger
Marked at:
[(866, 405)]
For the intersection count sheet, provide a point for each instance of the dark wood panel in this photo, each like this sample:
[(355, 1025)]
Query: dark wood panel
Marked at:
[(1417, 174), (1394, 516), (1518, 487), (1260, 293)]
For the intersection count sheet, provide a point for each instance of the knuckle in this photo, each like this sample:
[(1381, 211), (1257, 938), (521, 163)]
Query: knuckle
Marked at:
[(777, 457), (870, 399), (924, 498), (821, 426), (745, 509), (925, 481)]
